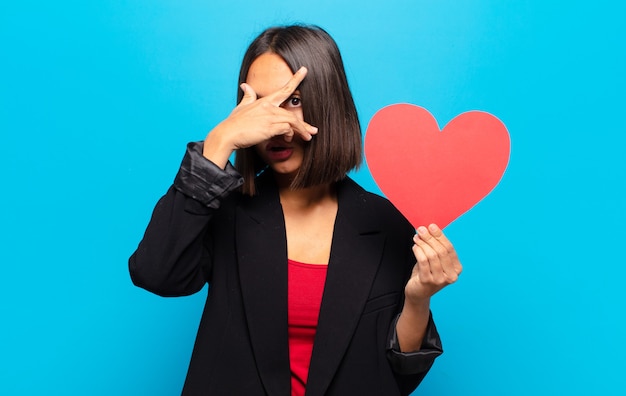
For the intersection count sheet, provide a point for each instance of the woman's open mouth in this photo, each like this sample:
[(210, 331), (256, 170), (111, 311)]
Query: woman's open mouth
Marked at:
[(278, 152)]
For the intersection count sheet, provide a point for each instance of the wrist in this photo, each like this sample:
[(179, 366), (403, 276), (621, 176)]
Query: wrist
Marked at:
[(217, 149), (416, 305), (411, 325)]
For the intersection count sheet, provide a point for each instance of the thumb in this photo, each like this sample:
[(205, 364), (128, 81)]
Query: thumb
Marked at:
[(249, 95)]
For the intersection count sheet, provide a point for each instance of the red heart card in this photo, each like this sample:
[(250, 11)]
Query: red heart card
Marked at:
[(432, 175)]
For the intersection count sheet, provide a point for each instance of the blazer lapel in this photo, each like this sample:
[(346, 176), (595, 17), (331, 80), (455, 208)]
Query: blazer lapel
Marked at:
[(354, 259), (262, 259)]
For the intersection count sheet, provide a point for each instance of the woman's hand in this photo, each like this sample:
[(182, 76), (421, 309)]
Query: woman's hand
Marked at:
[(437, 264), (256, 120)]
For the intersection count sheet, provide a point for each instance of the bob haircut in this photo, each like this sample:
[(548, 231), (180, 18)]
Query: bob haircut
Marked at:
[(326, 103)]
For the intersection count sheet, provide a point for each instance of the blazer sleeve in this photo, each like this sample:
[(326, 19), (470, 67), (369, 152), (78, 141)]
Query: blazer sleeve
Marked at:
[(172, 258), (406, 363)]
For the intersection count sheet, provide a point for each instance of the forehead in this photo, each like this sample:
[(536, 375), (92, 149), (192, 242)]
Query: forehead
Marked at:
[(268, 73)]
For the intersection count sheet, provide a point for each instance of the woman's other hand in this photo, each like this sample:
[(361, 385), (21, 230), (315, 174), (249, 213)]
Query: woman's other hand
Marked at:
[(437, 264)]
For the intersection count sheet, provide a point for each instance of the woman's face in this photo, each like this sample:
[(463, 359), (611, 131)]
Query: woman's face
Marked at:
[(267, 74)]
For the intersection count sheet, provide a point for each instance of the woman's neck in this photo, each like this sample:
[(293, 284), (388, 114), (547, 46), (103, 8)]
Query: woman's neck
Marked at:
[(308, 197), (309, 215)]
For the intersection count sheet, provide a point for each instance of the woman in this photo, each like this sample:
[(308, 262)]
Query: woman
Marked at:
[(314, 284)]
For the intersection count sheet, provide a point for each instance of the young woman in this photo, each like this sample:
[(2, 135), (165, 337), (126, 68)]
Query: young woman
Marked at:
[(315, 285)]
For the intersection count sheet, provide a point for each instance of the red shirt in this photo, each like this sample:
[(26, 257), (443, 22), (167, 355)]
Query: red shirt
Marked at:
[(306, 286)]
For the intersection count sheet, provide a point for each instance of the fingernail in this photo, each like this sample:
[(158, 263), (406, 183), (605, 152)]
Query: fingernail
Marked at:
[(433, 227), (422, 230)]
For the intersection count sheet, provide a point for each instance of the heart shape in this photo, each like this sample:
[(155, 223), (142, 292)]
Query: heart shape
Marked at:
[(435, 176)]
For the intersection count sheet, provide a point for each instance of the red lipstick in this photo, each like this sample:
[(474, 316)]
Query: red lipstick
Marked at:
[(278, 152)]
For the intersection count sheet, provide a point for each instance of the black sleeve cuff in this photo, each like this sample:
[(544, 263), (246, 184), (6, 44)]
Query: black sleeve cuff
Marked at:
[(204, 181), (405, 363)]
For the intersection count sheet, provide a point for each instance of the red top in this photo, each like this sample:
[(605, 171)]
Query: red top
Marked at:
[(306, 286)]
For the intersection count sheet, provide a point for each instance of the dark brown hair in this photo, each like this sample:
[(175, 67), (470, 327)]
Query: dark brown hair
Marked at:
[(326, 103)]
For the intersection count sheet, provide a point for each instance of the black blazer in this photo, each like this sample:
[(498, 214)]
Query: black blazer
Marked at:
[(203, 231)]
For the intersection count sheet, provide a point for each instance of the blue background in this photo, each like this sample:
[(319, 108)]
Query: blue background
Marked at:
[(97, 101)]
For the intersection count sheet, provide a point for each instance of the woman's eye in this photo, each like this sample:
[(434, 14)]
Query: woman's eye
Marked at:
[(294, 101)]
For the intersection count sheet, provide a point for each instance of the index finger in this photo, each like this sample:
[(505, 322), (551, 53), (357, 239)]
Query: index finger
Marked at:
[(278, 97)]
